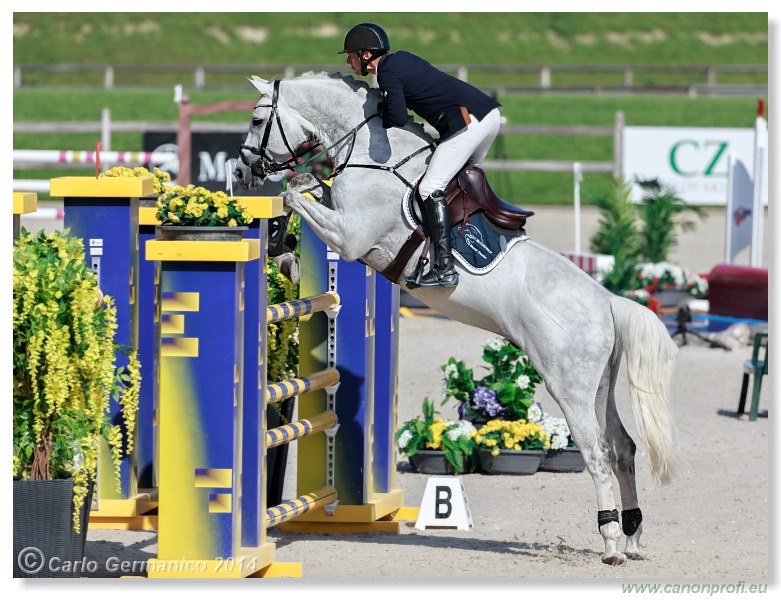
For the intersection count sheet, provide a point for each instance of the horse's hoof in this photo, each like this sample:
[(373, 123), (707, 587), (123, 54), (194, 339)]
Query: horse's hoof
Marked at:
[(635, 554), (289, 266), (614, 560)]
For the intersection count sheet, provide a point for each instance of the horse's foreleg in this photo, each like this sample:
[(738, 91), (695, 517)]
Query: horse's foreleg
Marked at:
[(328, 224)]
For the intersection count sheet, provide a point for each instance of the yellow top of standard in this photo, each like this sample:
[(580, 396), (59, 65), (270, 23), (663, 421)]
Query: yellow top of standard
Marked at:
[(206, 251), (25, 202), (101, 187)]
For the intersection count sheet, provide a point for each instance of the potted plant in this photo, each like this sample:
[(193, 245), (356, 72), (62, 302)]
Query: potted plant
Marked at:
[(437, 446), (563, 456), (195, 213), (511, 447), (65, 377), (505, 392)]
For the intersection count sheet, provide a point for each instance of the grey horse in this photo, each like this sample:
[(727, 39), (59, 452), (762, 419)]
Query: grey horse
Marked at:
[(574, 331)]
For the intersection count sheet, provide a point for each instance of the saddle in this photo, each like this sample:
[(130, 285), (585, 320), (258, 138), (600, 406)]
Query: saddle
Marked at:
[(469, 192)]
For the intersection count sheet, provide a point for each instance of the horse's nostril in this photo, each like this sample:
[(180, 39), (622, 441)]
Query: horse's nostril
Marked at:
[(237, 174)]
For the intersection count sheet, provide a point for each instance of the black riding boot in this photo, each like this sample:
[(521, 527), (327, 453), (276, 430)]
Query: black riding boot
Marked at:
[(438, 219)]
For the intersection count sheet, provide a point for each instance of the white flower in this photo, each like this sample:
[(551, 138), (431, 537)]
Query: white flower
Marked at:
[(451, 371), (523, 381), (404, 439), (495, 344), (534, 414), (557, 431), (460, 429)]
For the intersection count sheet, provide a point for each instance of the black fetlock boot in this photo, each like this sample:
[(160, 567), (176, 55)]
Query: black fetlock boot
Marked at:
[(438, 216)]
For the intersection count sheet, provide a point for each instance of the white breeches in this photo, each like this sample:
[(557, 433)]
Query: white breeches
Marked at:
[(470, 145)]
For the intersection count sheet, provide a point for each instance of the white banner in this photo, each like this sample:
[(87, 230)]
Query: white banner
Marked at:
[(691, 160), (740, 206)]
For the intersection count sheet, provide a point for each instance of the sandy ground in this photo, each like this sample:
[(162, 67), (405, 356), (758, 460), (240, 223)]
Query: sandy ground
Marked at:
[(709, 526)]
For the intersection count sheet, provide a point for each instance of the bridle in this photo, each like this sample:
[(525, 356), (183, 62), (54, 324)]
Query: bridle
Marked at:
[(265, 164)]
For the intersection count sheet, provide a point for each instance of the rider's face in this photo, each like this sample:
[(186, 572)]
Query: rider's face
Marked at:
[(354, 61)]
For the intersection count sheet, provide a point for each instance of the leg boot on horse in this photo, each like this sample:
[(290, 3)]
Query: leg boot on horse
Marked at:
[(438, 219)]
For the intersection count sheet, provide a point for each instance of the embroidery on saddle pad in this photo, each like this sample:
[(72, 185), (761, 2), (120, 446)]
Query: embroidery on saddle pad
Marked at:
[(480, 247)]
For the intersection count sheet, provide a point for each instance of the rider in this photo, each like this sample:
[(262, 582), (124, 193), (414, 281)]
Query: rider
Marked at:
[(466, 119)]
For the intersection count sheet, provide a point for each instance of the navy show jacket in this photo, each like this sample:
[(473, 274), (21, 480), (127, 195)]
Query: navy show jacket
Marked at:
[(409, 82)]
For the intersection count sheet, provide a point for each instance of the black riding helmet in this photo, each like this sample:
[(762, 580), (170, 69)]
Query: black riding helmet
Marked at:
[(366, 36)]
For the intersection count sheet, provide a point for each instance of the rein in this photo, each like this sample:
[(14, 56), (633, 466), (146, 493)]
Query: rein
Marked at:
[(265, 164)]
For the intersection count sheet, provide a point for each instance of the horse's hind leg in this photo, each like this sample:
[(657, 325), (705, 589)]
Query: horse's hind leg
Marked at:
[(587, 431), (623, 454)]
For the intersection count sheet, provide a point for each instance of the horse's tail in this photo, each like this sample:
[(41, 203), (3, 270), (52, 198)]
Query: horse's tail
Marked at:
[(650, 353)]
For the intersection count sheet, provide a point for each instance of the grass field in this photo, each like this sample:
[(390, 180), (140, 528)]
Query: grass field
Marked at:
[(492, 38)]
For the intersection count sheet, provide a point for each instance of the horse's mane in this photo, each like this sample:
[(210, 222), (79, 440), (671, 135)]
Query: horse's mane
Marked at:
[(357, 85)]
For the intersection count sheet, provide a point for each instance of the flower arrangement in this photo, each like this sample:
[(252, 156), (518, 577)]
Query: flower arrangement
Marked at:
[(697, 286), (197, 206), (454, 438), (506, 392), (65, 374), (161, 178), (660, 276), (498, 434)]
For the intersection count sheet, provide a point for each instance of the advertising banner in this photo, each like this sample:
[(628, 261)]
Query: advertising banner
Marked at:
[(691, 160), (210, 151)]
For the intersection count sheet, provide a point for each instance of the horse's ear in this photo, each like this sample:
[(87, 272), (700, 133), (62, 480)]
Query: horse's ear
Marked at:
[(257, 82)]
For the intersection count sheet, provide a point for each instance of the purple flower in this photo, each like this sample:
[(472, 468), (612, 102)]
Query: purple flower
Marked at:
[(484, 401)]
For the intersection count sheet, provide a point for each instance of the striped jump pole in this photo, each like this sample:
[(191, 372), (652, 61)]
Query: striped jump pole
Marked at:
[(302, 307), (293, 431), (282, 390), (70, 157), (290, 509)]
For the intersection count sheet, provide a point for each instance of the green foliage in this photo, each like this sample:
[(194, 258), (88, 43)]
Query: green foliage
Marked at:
[(616, 233), (282, 337), (64, 365), (506, 391), (491, 38), (659, 207), (659, 214)]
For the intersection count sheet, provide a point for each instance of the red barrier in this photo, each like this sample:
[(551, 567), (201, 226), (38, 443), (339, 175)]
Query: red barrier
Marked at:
[(738, 291)]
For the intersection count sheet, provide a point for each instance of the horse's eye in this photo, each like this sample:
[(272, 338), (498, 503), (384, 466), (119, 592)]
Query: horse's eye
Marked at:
[(256, 122)]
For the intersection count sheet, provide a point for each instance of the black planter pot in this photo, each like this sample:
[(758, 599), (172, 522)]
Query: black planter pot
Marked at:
[(563, 460), (45, 542), (511, 462), (433, 462)]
